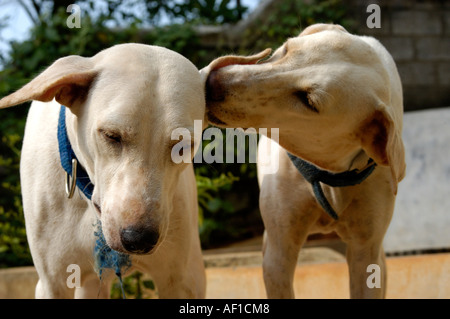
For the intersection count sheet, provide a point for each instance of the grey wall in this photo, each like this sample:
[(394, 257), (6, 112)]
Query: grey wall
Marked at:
[(417, 34)]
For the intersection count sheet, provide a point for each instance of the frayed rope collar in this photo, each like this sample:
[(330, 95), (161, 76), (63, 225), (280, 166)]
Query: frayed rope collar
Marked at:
[(315, 176), (107, 258), (76, 176)]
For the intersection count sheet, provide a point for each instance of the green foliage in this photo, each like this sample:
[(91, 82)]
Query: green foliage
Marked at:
[(135, 286), (228, 197), (291, 17), (228, 193), (214, 210), (196, 11), (13, 243)]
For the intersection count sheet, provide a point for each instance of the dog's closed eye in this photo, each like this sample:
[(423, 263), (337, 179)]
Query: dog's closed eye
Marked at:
[(303, 96), (111, 137)]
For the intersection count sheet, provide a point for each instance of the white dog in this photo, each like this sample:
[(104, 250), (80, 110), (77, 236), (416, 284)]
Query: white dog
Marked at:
[(120, 108), (337, 101)]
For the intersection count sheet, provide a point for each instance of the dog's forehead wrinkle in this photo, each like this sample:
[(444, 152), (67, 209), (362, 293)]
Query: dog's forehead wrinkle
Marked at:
[(332, 44), (123, 123)]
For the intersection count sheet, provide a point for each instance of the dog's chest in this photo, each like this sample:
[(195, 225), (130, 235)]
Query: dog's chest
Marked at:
[(324, 224)]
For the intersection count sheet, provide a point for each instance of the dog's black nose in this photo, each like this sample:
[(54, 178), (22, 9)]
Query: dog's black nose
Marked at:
[(139, 240)]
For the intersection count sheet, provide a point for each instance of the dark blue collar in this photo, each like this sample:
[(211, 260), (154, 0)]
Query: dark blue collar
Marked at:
[(315, 176), (67, 156)]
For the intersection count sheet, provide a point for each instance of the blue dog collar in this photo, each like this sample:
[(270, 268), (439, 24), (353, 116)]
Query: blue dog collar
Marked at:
[(315, 176), (69, 160)]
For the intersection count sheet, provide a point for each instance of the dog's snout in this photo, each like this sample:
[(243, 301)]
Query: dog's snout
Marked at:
[(214, 89), (139, 240)]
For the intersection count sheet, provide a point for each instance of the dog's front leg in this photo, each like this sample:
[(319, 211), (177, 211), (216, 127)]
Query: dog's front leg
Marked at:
[(46, 289), (367, 270), (362, 228), (187, 283), (93, 288), (178, 272), (286, 232), (280, 260)]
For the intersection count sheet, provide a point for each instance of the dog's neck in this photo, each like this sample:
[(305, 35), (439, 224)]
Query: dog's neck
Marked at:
[(315, 176), (359, 162)]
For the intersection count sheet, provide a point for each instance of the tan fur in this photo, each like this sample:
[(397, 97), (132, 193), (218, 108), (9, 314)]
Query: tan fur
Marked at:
[(337, 101), (142, 92)]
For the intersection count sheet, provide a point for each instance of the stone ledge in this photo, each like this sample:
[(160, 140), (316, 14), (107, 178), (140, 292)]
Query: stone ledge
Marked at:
[(421, 276), (18, 283), (311, 255)]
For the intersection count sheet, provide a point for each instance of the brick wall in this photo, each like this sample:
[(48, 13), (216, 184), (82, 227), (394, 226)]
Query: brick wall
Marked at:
[(417, 34)]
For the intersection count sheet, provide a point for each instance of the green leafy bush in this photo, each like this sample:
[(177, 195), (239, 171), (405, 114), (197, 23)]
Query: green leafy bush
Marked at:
[(135, 286), (13, 243)]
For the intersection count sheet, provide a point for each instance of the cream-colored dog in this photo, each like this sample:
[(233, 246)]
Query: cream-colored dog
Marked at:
[(337, 101), (121, 107)]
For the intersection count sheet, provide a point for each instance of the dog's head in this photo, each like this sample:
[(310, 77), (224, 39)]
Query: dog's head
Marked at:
[(330, 93), (123, 105)]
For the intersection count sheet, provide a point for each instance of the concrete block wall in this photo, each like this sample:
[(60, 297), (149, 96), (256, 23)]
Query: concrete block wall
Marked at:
[(417, 34)]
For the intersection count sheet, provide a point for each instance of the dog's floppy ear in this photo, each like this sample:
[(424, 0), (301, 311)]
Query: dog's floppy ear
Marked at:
[(237, 59), (381, 140), (232, 60), (67, 79)]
